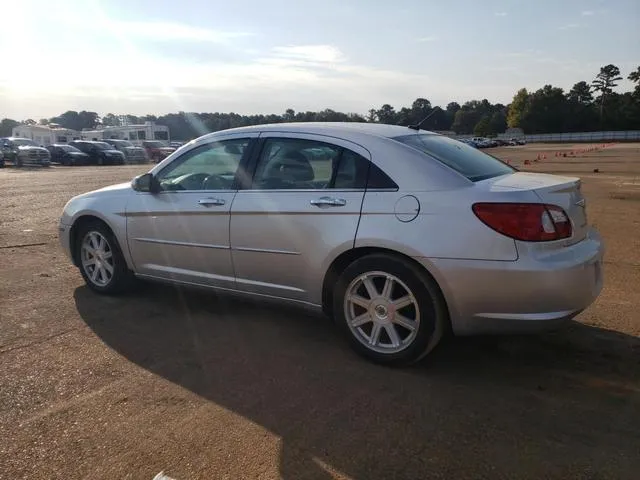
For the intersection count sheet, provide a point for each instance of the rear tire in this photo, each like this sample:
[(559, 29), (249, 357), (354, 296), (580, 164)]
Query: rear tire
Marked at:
[(101, 261), (390, 310)]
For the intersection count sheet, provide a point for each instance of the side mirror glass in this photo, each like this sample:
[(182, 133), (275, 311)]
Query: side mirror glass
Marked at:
[(145, 183)]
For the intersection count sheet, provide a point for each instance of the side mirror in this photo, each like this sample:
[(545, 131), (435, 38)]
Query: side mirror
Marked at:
[(145, 183)]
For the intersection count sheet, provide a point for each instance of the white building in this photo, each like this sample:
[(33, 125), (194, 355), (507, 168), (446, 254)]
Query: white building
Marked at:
[(134, 133), (45, 134)]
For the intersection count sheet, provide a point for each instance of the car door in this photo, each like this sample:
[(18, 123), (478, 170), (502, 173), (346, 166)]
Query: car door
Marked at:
[(300, 209), (182, 232)]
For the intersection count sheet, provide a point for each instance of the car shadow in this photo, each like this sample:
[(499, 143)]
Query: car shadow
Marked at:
[(502, 407)]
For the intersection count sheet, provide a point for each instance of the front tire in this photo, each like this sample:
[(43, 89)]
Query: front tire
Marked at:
[(390, 311), (100, 260)]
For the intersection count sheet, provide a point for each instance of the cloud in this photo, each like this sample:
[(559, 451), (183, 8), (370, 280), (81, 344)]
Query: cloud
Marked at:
[(169, 31), (151, 30), (310, 53), (501, 14), (569, 26), (430, 38), (587, 13)]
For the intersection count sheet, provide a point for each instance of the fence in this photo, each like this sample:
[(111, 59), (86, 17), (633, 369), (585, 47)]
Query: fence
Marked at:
[(612, 136)]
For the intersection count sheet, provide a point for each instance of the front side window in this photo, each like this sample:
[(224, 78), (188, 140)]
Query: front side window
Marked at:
[(212, 166), (296, 164), (464, 159)]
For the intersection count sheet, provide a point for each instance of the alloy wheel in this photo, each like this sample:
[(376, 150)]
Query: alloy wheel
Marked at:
[(381, 312), (97, 260)]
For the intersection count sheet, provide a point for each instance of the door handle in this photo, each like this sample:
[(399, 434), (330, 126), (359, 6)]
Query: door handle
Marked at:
[(324, 202), (210, 202)]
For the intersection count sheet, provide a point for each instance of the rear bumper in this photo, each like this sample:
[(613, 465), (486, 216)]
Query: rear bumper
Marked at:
[(528, 295)]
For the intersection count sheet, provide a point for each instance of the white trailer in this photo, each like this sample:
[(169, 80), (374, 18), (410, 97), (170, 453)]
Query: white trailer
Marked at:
[(45, 135), (136, 134)]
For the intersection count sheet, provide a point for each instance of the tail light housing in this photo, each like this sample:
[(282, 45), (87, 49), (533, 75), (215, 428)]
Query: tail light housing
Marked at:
[(529, 222)]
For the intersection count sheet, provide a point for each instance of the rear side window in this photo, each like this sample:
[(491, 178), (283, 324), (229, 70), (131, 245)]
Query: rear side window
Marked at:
[(463, 158)]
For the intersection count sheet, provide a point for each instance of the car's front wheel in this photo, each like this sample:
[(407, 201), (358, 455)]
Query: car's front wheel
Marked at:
[(100, 259), (391, 311)]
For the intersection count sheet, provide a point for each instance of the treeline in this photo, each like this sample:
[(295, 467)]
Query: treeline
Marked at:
[(587, 106)]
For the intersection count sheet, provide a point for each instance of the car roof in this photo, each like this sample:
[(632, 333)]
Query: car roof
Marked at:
[(329, 128)]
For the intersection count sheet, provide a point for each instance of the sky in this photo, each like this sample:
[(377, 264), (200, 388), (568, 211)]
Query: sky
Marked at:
[(256, 56)]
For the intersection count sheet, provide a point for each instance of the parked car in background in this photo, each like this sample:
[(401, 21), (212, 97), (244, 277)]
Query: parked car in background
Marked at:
[(517, 141), (469, 142), (1, 159), (132, 153), (156, 150), (24, 152), (176, 145), (67, 155), (399, 235), (100, 153)]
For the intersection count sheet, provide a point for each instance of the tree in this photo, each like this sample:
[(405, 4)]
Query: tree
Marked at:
[(43, 121), (518, 108), (6, 127), (482, 128), (605, 82), (465, 121), (387, 114), (635, 78), (546, 111), (289, 115), (581, 93), (498, 122)]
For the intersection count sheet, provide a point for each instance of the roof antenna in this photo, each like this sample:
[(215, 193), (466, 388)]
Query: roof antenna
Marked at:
[(418, 125)]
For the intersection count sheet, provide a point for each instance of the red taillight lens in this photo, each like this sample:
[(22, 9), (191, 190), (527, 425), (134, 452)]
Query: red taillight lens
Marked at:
[(530, 222)]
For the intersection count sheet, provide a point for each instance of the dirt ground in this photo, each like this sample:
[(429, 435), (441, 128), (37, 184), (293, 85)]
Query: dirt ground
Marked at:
[(205, 387)]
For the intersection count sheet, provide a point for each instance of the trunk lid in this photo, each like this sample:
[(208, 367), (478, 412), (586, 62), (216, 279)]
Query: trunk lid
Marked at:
[(564, 192)]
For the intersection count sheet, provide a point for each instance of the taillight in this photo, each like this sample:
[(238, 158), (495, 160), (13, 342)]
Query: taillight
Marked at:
[(530, 222)]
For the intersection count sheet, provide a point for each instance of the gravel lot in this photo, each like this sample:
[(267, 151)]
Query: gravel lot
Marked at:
[(206, 387)]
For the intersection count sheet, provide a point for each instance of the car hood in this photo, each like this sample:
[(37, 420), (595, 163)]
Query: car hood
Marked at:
[(112, 152), (31, 147), (111, 190), (77, 154)]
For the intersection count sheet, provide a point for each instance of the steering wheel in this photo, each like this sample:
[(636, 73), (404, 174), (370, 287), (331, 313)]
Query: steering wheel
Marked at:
[(192, 181), (214, 182)]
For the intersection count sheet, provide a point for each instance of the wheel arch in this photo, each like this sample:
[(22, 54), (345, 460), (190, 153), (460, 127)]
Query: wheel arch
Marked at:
[(342, 261), (79, 222)]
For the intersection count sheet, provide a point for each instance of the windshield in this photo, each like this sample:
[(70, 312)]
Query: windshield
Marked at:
[(69, 148), (153, 144), (103, 146), (463, 158), (23, 142), (121, 143)]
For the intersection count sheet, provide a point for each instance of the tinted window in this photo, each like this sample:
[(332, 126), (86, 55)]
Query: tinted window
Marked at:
[(161, 135), (378, 180), (208, 167), (141, 135), (293, 164), (297, 164), (464, 159)]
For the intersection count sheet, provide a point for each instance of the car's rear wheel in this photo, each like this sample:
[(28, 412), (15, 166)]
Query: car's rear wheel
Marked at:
[(390, 311), (100, 259)]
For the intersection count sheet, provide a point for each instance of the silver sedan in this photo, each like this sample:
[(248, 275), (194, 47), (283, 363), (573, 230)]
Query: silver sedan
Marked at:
[(398, 234)]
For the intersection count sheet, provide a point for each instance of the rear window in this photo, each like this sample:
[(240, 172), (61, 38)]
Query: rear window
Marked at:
[(463, 158)]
